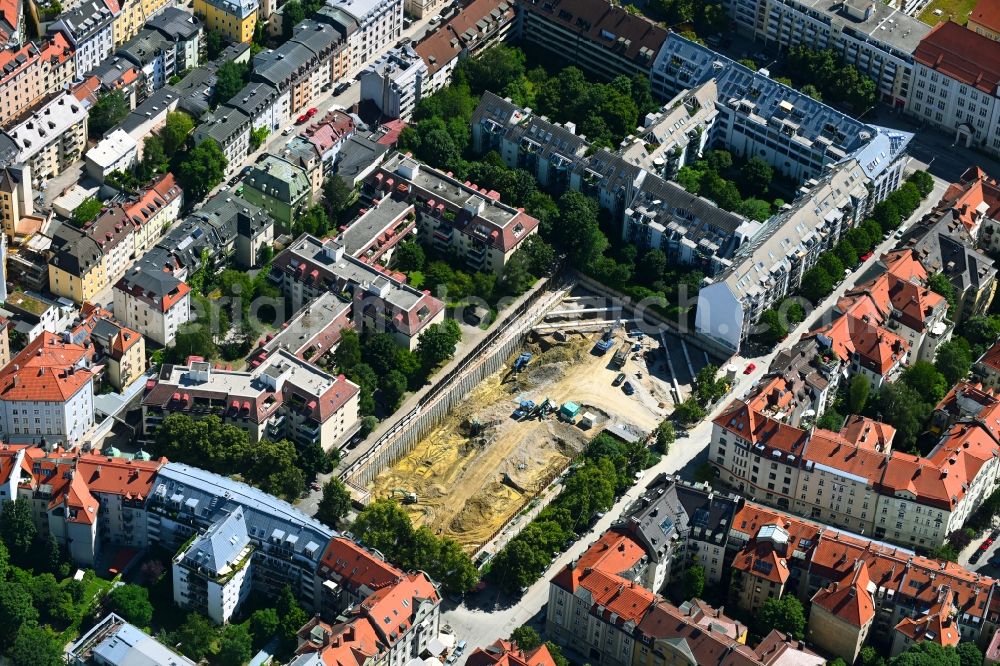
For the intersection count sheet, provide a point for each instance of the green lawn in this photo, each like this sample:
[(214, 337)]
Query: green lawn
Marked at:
[(956, 10)]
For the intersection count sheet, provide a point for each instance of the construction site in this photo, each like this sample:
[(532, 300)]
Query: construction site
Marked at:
[(522, 426)]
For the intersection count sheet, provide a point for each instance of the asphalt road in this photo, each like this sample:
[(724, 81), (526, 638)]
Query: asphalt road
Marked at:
[(481, 619)]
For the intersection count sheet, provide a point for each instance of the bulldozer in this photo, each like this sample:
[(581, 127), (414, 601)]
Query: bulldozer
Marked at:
[(406, 496)]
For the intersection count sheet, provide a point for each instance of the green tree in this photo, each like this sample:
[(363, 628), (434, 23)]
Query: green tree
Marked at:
[(87, 211), (665, 436), (829, 262), (773, 328), (230, 79), (196, 636), (869, 656), (258, 136), (132, 603), (582, 236), (903, 408), (16, 609), (494, 69), (335, 503), (313, 460), (194, 338), (214, 43), (409, 256), (846, 253), (689, 411), (17, 530), (339, 198), (953, 360), (263, 625), (273, 467), (154, 157), (925, 379), (201, 170), (940, 284), (109, 110), (817, 284), (784, 614), (291, 618), (291, 15), (526, 638), (755, 209), (707, 386), (438, 343), (927, 653), (235, 646), (694, 581), (812, 91), (887, 215), (348, 352), (756, 176), (453, 567), (36, 646), (393, 388), (384, 526), (968, 653), (857, 395), (175, 132)]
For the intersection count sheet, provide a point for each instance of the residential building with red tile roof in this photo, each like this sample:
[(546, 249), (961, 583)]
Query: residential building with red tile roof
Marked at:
[(351, 573), (152, 301), (865, 347), (985, 19), (596, 602), (47, 393), (987, 368), (477, 26), (405, 615), (346, 644), (31, 72), (284, 396), (508, 653), (852, 479), (120, 349), (87, 501), (841, 614), (970, 63)]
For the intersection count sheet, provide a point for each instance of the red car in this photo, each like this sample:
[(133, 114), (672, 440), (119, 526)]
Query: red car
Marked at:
[(866, 256), (312, 112), (750, 368), (301, 119)]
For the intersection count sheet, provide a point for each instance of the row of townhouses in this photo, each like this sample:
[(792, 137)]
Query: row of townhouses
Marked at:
[(606, 606)]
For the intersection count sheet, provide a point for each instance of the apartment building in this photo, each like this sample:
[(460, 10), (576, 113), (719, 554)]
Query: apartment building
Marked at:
[(380, 300), (379, 26), (115, 152), (185, 31), (129, 18), (283, 397), (281, 188), (453, 216), (792, 132), (310, 333), (286, 545), (34, 313), (852, 479), (876, 38), (266, 105), (956, 72), (12, 24), (394, 83), (152, 54), (765, 270), (118, 348), (602, 39), (479, 25), (88, 28), (213, 574), (507, 653), (899, 598), (47, 391), (113, 641), (230, 128), (235, 19), (52, 137), (153, 302), (303, 65), (985, 20), (33, 71), (89, 502), (372, 237)]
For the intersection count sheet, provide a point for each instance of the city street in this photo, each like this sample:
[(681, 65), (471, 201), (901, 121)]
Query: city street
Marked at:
[(481, 627)]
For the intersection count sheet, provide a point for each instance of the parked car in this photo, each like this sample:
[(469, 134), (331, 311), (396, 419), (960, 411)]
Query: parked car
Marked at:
[(288, 130), (341, 88), (619, 379), (301, 119), (460, 648), (750, 368), (312, 112), (628, 388), (315, 485)]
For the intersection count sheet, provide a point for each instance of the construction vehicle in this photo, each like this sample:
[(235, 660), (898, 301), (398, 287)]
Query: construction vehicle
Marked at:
[(407, 496), (607, 340), (522, 361), (621, 355)]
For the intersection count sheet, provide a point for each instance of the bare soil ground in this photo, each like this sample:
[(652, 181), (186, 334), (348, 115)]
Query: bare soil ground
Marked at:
[(479, 467)]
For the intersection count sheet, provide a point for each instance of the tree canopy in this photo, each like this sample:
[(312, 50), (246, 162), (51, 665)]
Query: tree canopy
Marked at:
[(109, 110), (202, 169)]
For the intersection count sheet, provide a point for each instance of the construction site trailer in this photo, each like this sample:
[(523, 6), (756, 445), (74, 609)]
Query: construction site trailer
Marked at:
[(569, 411)]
